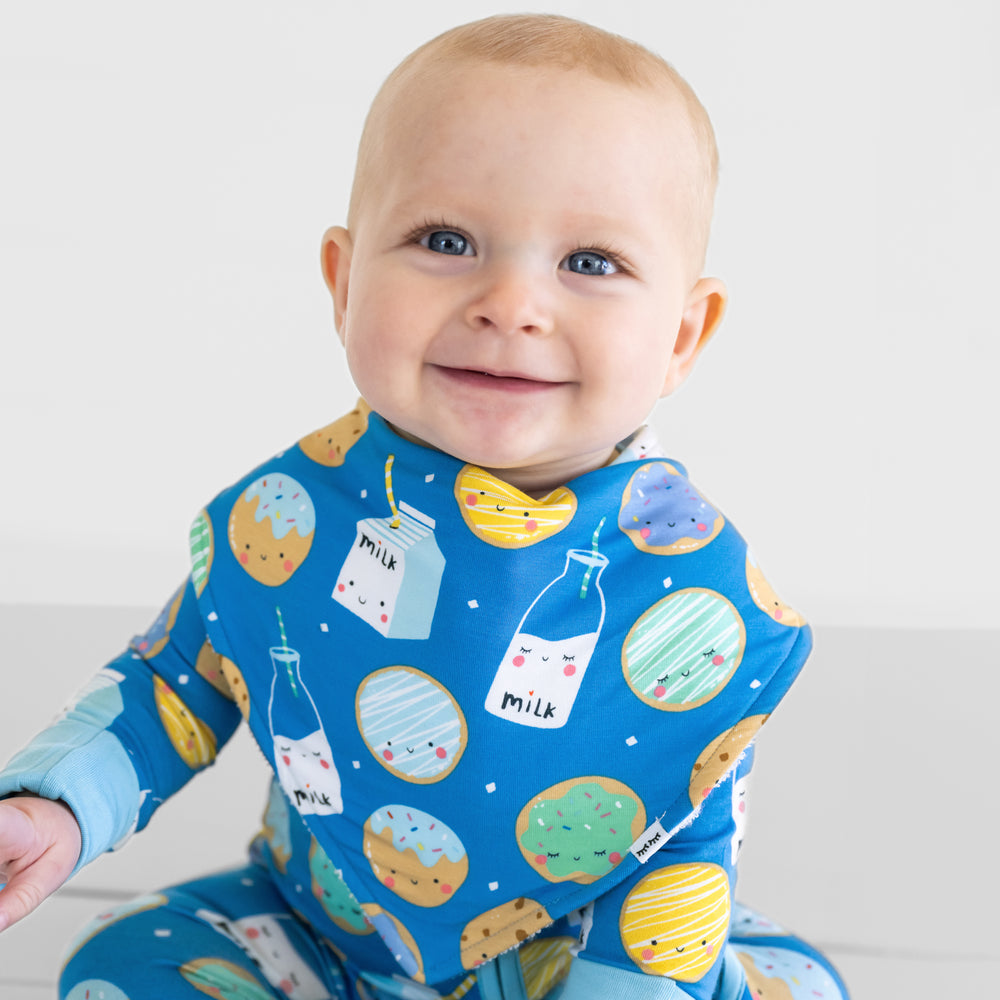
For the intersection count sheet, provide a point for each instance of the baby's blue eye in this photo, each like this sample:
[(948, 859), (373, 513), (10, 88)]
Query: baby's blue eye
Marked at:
[(589, 262), (445, 241)]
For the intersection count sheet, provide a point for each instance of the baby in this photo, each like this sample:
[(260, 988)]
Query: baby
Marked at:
[(506, 662)]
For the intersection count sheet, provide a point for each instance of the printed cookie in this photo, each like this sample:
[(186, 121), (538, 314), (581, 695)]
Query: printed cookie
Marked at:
[(501, 928), (202, 546), (682, 651), (271, 528), (331, 890), (96, 989), (580, 829), (236, 686), (674, 922), (156, 637), (411, 724), (415, 855), (766, 599), (398, 940), (662, 513), (502, 515), (330, 444), (721, 755), (224, 980), (784, 974), (209, 665), (190, 737), (544, 964), (112, 916), (747, 923)]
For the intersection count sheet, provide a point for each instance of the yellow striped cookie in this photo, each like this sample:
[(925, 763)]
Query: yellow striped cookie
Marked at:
[(190, 737), (674, 922), (502, 515), (545, 963)]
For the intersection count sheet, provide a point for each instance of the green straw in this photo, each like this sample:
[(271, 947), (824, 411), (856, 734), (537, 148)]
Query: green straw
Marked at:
[(285, 646), (590, 568)]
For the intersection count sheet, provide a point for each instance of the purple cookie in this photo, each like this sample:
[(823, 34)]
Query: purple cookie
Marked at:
[(664, 514)]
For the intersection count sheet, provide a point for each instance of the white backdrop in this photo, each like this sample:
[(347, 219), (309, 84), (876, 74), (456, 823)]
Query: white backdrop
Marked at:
[(168, 170)]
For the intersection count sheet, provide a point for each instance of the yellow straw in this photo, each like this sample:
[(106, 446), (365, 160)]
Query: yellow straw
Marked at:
[(395, 522)]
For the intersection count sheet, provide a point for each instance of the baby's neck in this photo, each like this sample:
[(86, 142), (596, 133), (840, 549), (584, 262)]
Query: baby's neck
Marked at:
[(537, 481)]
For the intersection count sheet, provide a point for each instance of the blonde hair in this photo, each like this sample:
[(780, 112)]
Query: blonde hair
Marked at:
[(548, 40)]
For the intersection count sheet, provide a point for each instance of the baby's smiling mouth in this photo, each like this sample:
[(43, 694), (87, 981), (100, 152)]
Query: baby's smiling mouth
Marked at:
[(479, 378)]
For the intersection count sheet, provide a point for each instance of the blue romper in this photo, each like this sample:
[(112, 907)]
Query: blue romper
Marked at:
[(509, 736)]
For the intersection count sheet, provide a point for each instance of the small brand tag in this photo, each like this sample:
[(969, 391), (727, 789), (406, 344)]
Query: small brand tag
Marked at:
[(649, 842)]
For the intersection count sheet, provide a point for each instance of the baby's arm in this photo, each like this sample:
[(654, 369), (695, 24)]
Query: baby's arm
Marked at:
[(128, 742), (39, 847)]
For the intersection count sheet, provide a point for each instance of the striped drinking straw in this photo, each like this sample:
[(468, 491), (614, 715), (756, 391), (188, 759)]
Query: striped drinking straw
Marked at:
[(285, 646), (590, 568), (395, 522)]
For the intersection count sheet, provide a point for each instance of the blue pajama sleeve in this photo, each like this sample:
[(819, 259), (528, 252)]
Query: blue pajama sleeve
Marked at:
[(142, 727)]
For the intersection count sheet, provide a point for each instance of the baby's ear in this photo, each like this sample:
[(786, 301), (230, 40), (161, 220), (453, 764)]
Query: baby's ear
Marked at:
[(706, 303), (335, 260)]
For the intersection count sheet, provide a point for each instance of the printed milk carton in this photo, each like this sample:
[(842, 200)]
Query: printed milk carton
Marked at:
[(392, 575)]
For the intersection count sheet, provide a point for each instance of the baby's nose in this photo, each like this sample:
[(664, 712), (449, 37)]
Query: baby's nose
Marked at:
[(511, 300)]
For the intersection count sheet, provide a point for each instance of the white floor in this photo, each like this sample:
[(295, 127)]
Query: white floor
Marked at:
[(873, 830)]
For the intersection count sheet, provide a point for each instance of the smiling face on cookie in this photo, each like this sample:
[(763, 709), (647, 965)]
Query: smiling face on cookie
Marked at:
[(330, 445), (662, 513), (271, 528), (502, 515), (415, 855), (674, 922), (682, 651), (579, 830), (410, 723)]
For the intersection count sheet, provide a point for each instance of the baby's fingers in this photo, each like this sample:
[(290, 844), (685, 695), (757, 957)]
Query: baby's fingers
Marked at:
[(32, 863)]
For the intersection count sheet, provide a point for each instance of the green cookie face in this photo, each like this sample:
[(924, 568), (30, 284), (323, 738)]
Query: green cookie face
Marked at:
[(683, 650), (579, 830)]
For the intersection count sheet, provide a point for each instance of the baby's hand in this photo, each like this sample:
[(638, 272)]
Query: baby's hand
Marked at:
[(39, 847)]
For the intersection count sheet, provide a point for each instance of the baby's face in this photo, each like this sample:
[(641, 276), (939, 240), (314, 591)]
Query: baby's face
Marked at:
[(517, 289)]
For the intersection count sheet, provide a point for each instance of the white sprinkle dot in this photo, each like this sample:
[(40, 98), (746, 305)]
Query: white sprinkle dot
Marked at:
[(494, 886), (364, 493), (356, 764), (298, 888), (162, 932), (212, 616), (246, 881), (473, 603), (668, 582), (323, 627), (429, 478), (183, 679), (491, 787), (754, 684), (631, 741)]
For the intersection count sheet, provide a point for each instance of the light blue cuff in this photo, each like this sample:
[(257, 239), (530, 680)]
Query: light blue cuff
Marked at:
[(592, 981), (88, 770)]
